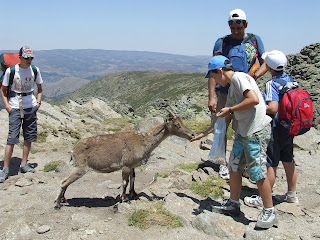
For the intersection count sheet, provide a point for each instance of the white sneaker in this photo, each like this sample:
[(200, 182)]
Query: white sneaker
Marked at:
[(286, 198), (224, 172), (267, 219), (253, 201)]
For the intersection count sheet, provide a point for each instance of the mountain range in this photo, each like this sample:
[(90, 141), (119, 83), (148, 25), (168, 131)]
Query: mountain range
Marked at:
[(65, 70)]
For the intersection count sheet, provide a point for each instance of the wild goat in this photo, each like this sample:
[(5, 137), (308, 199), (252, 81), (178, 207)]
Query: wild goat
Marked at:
[(120, 151)]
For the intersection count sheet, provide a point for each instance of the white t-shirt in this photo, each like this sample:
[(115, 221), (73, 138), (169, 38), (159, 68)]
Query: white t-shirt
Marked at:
[(23, 82), (253, 119)]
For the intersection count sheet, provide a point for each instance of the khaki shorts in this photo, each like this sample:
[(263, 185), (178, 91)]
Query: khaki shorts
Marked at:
[(251, 151), (28, 124)]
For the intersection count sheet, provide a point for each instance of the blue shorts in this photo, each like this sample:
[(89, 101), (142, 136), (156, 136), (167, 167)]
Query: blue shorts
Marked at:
[(29, 125), (280, 148), (250, 151)]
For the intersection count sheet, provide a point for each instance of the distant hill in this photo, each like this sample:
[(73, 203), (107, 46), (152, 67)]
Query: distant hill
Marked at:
[(89, 64), (140, 89)]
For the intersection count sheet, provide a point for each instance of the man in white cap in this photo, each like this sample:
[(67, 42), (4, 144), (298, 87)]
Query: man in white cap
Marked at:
[(22, 106), (243, 50)]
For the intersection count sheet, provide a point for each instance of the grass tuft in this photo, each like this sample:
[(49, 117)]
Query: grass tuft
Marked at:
[(51, 166), (212, 187), (154, 215)]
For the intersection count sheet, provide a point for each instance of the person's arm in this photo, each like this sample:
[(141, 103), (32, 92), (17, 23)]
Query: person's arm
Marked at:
[(4, 93), (251, 99), (39, 95), (212, 103), (262, 69), (203, 134), (272, 107)]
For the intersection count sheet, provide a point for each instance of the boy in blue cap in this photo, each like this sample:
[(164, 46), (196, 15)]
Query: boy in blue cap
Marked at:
[(246, 103)]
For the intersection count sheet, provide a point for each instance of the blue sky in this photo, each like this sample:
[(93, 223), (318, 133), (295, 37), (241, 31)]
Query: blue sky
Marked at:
[(169, 26)]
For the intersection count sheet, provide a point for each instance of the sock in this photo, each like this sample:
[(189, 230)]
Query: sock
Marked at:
[(23, 164), (270, 209), (234, 201), (291, 194)]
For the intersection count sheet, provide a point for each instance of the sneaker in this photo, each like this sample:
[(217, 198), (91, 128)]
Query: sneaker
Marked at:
[(4, 174), (224, 172), (286, 198), (253, 201), (228, 207), (25, 167), (267, 219)]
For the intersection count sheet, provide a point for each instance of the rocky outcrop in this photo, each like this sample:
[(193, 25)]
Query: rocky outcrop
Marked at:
[(93, 210), (305, 68)]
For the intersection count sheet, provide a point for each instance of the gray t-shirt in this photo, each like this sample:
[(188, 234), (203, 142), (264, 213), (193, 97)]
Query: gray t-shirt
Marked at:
[(253, 119)]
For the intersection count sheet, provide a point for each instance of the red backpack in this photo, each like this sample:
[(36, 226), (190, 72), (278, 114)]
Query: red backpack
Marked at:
[(295, 110), (8, 60)]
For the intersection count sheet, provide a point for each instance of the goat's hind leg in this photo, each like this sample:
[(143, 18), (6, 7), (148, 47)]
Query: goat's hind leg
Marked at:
[(74, 176), (132, 193), (125, 181)]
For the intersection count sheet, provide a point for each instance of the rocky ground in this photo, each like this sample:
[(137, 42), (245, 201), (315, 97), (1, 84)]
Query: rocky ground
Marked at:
[(93, 210)]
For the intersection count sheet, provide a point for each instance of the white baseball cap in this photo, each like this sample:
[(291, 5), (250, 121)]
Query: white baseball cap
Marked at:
[(237, 14), (275, 59)]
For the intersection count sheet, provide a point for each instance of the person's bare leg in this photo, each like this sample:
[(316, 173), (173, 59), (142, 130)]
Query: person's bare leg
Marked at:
[(265, 192), (26, 151), (7, 155)]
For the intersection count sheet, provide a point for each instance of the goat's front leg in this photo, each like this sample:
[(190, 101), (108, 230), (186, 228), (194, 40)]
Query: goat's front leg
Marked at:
[(125, 181), (74, 175), (132, 193)]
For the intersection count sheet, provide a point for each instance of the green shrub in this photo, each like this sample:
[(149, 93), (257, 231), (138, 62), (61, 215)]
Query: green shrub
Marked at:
[(51, 166), (189, 167), (154, 215), (212, 187)]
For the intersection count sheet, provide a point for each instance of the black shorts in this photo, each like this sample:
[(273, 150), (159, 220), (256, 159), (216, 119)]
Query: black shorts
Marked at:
[(280, 148), (29, 125)]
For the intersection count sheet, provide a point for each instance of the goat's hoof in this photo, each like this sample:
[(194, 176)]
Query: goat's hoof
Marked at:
[(133, 195), (57, 206)]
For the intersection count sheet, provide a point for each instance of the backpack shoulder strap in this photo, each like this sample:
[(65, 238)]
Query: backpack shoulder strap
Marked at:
[(225, 41), (35, 72), (253, 39), (11, 76)]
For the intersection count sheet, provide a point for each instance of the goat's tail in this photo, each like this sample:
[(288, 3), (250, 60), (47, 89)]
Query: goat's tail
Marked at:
[(73, 161)]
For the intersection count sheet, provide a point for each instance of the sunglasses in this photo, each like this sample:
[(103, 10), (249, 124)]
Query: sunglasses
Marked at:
[(28, 58), (237, 21)]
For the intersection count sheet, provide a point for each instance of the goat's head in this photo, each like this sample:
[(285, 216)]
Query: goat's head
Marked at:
[(175, 126)]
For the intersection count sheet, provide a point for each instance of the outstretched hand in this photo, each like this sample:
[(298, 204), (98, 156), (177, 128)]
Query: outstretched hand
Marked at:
[(201, 135), (223, 112)]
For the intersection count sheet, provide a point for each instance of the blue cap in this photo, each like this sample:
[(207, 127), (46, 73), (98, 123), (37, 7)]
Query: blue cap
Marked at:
[(216, 62)]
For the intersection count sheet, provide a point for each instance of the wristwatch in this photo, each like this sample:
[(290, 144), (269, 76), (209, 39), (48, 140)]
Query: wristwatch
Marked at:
[(230, 110), (39, 103)]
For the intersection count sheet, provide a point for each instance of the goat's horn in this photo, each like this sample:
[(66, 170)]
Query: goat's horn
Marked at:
[(171, 112)]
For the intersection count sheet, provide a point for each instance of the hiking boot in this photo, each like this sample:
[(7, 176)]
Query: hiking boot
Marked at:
[(25, 167), (224, 172), (253, 201), (286, 198), (4, 174), (228, 208), (267, 219)]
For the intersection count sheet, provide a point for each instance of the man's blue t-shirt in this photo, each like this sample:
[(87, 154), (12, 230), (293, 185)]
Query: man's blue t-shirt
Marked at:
[(250, 51)]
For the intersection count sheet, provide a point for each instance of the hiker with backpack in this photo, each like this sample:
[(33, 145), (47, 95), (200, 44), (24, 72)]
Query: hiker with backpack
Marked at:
[(22, 106), (243, 49), (280, 147)]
